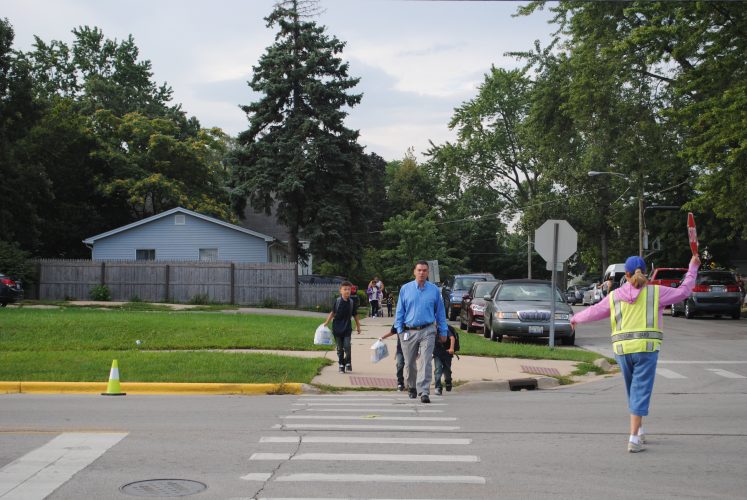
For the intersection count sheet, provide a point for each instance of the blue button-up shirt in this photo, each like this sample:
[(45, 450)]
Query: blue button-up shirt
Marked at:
[(418, 306)]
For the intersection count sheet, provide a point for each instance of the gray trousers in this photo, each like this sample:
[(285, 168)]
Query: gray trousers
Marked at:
[(419, 341)]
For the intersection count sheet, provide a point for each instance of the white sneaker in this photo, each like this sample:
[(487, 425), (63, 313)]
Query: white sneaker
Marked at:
[(635, 447), (642, 438)]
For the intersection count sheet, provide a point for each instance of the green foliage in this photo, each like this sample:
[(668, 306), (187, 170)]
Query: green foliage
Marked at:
[(202, 299), (101, 293), (297, 154), (14, 262), (270, 303)]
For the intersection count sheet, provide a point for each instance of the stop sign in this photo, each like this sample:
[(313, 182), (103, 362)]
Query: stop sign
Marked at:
[(567, 240)]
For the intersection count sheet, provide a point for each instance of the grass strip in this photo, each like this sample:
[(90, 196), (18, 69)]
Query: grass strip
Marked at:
[(97, 330), (476, 345), (206, 367)]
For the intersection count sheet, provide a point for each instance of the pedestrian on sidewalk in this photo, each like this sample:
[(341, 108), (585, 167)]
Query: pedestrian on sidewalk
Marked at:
[(344, 310), (399, 360), (373, 297), (635, 311), (443, 353), (420, 311)]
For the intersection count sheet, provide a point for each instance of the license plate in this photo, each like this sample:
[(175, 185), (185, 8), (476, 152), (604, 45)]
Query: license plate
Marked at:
[(535, 329), (717, 288)]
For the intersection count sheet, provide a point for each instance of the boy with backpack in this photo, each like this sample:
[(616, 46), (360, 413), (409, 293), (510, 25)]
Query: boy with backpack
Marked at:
[(443, 353), (343, 312)]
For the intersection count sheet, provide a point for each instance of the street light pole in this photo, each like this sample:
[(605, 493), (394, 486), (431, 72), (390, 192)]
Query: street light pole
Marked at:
[(593, 173)]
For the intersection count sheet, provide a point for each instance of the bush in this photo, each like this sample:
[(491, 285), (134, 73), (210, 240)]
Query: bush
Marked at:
[(201, 299), (270, 303), (100, 292), (14, 262)]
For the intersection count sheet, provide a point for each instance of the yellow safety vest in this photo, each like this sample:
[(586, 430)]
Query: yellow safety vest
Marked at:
[(635, 327)]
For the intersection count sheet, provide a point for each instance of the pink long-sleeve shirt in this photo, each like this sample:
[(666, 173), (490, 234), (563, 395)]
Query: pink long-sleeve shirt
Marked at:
[(628, 293)]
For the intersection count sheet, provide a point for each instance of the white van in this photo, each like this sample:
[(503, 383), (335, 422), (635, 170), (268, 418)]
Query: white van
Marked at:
[(615, 273)]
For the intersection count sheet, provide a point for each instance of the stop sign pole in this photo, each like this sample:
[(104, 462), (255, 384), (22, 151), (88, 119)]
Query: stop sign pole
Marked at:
[(555, 240)]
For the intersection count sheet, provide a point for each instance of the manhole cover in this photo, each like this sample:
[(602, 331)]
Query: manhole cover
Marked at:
[(163, 488)]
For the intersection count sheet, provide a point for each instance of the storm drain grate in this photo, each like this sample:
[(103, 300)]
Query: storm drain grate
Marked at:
[(539, 370), (163, 488), (373, 381)]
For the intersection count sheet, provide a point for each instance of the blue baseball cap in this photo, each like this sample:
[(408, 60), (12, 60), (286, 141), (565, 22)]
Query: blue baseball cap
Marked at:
[(633, 263)]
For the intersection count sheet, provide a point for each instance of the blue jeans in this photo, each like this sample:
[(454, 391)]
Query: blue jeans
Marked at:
[(638, 369), (343, 349)]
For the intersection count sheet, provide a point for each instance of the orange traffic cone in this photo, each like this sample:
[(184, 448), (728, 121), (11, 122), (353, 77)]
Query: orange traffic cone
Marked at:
[(113, 388)]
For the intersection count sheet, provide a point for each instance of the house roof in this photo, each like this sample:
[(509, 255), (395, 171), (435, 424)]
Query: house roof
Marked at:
[(93, 239)]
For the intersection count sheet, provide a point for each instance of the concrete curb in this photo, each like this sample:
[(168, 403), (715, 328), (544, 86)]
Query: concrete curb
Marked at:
[(150, 388)]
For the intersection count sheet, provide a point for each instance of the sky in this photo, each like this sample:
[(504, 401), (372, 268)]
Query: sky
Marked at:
[(417, 60)]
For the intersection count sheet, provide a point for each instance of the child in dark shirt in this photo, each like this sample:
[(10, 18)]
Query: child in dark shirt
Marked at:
[(343, 312)]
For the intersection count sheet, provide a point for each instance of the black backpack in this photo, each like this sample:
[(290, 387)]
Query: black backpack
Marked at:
[(453, 331)]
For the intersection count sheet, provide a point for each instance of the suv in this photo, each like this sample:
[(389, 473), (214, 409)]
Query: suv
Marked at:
[(715, 292), (10, 290), (667, 276), (456, 288)]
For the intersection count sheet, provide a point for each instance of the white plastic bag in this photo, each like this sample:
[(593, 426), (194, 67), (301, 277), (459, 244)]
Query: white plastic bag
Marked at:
[(380, 351), (323, 335)]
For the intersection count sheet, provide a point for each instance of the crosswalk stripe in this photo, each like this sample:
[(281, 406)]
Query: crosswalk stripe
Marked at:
[(41, 471), (257, 476), (668, 373), (350, 400), (378, 410), (369, 427), (724, 373), (365, 440), (399, 405), (368, 417), (360, 457), (380, 478)]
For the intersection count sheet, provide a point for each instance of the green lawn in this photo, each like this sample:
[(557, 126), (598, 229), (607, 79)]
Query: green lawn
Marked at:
[(112, 330), (77, 344), (476, 345)]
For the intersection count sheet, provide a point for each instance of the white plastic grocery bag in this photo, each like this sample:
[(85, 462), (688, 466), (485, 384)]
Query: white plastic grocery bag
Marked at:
[(380, 351), (323, 335)]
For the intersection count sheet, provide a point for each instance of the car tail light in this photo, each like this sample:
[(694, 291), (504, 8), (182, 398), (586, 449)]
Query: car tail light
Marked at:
[(701, 288), (7, 281), (732, 288)]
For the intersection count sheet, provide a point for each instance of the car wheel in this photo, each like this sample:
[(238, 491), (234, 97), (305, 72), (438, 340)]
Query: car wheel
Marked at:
[(3, 304), (486, 328), (452, 314), (689, 312), (736, 314), (569, 340), (674, 311), (462, 324), (495, 337)]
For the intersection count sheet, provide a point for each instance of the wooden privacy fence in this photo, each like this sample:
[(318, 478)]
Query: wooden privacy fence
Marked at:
[(179, 281)]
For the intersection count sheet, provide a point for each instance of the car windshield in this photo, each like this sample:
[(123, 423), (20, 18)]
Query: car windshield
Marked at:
[(669, 274), (716, 278), (465, 283), (482, 289), (527, 292)]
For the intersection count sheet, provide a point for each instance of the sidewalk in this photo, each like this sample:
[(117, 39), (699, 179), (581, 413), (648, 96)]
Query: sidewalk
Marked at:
[(468, 372)]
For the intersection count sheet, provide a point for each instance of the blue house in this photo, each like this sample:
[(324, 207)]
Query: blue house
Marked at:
[(180, 234)]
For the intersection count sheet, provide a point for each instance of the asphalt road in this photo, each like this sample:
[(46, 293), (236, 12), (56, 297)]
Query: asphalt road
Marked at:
[(564, 443)]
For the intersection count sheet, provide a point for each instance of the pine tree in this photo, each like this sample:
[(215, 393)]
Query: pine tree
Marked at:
[(297, 152)]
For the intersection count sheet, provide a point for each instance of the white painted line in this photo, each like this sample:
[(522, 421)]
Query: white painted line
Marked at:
[(397, 405), (380, 478), (724, 373), (366, 440), (369, 417), (373, 410), (365, 457), (41, 471), (368, 427), (668, 373), (349, 400), (257, 476), (703, 362)]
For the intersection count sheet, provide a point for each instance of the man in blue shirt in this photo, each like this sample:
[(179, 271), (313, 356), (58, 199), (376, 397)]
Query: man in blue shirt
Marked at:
[(419, 309)]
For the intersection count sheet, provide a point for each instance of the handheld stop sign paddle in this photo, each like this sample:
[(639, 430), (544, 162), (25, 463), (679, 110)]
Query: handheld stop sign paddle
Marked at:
[(692, 234)]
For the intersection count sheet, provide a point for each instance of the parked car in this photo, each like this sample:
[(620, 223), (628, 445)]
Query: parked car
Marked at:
[(521, 308), (715, 292), (456, 288), (473, 305), (574, 294), (667, 276), (10, 290), (592, 295), (613, 278)]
